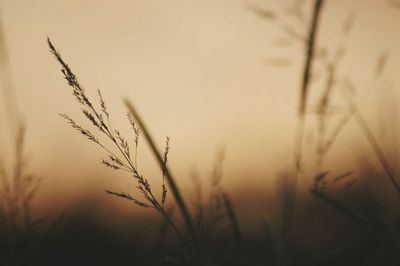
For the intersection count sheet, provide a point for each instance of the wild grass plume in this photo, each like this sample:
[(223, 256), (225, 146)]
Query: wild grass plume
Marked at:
[(18, 188), (126, 157)]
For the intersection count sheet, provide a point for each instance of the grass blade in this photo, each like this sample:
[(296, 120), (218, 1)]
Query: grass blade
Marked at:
[(170, 180), (370, 138), (293, 178), (10, 98), (232, 218)]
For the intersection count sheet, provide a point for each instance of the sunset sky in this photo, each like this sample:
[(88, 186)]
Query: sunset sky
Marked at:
[(198, 72)]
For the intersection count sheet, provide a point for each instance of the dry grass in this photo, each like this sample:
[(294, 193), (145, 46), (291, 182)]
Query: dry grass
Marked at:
[(369, 136), (214, 221), (17, 190), (308, 63), (166, 172), (327, 132), (124, 159), (10, 102), (307, 39)]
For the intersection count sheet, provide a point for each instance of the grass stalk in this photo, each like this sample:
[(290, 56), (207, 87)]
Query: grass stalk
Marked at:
[(232, 218), (341, 208), (10, 98), (305, 84), (362, 124), (170, 179), (100, 118)]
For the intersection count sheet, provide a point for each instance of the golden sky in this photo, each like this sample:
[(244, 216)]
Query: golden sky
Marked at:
[(196, 71)]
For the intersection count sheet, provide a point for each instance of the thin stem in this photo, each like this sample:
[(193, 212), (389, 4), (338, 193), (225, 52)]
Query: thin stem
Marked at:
[(232, 218), (371, 140), (168, 218), (171, 182), (293, 178), (10, 101), (343, 209)]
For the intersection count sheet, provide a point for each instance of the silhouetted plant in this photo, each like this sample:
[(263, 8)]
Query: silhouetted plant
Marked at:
[(123, 160), (17, 190)]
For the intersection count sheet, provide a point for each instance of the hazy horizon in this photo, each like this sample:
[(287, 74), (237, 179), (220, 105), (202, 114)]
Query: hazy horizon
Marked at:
[(198, 72)]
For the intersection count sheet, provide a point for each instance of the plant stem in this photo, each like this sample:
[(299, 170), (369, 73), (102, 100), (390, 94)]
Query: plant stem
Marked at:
[(233, 219), (171, 182), (343, 209), (10, 101), (293, 178), (371, 140)]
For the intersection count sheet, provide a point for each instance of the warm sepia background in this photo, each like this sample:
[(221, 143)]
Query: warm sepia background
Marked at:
[(199, 72)]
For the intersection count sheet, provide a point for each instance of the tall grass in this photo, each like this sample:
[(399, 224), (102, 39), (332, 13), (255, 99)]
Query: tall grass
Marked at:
[(325, 141), (171, 181), (221, 206), (301, 118), (221, 199), (318, 190), (10, 102), (125, 158), (369, 136), (18, 188), (289, 184)]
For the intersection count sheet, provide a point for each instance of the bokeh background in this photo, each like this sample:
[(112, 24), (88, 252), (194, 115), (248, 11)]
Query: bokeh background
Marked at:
[(205, 73)]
